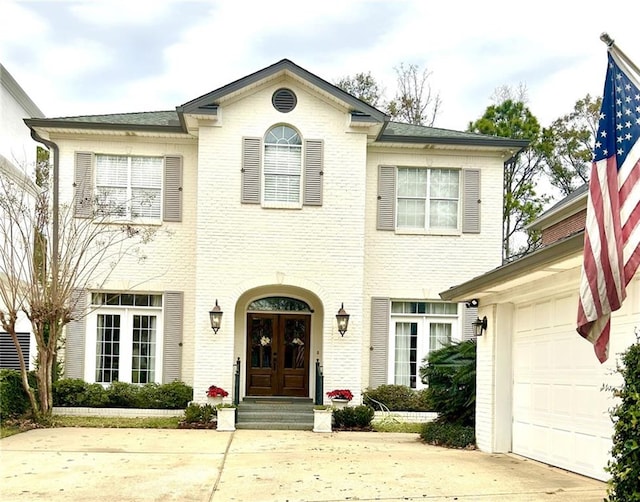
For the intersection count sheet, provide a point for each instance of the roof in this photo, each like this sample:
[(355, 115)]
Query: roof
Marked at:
[(573, 203), (207, 104), (547, 261), (398, 132), (12, 86)]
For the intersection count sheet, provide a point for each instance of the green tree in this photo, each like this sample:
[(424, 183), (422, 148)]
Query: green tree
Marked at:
[(451, 375), (512, 119), (363, 86), (567, 145), (624, 485)]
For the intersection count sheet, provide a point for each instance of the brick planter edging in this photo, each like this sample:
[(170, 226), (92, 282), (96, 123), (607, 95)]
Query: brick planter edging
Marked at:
[(406, 416), (115, 412)]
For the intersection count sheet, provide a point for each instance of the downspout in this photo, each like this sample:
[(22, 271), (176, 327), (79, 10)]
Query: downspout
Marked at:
[(55, 214)]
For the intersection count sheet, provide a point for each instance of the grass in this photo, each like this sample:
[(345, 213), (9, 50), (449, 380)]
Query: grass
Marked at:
[(11, 427), (395, 426)]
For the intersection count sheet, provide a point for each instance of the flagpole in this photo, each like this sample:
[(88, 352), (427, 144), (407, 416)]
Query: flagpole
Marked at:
[(604, 36)]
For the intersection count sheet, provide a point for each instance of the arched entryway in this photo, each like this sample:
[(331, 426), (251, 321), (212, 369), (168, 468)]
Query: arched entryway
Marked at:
[(278, 341)]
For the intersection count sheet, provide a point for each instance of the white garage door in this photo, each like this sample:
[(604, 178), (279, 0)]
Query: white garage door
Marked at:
[(560, 412)]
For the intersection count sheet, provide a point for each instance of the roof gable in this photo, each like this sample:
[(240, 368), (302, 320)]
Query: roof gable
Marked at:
[(207, 104)]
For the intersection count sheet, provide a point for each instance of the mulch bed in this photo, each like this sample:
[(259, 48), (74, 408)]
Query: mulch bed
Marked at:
[(198, 425)]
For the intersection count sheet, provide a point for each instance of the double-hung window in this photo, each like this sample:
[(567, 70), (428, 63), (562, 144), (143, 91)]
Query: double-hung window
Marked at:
[(428, 199), (129, 187), (282, 165), (417, 329), (128, 337)]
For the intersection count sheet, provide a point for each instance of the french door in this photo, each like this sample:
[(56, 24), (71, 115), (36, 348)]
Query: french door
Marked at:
[(278, 354)]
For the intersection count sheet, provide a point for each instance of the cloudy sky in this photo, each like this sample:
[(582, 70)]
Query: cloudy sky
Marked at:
[(112, 56)]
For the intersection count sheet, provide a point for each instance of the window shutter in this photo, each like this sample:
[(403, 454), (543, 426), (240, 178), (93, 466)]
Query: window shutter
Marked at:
[(379, 354), (313, 171), (386, 198), (83, 185), (470, 314), (251, 160), (172, 188), (172, 340), (75, 337), (471, 201)]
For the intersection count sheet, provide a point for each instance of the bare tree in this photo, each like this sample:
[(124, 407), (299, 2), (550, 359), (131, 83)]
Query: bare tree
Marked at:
[(415, 102), (44, 284)]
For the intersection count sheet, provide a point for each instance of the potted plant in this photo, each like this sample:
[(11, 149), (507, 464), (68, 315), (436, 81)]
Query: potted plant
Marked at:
[(226, 417), (340, 397), (215, 395), (322, 418)]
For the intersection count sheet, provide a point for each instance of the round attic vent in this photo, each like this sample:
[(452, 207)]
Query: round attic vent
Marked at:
[(284, 100)]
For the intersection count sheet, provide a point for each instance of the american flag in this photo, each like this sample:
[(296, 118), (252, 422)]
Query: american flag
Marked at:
[(612, 230)]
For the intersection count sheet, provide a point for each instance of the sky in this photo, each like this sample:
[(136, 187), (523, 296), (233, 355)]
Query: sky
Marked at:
[(114, 56)]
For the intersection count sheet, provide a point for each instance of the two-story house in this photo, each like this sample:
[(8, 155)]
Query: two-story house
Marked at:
[(17, 162), (281, 199)]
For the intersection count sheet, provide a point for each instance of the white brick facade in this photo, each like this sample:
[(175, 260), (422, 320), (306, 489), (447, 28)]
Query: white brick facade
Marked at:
[(325, 255)]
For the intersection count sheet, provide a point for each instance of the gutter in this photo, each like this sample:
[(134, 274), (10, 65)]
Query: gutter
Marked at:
[(56, 192)]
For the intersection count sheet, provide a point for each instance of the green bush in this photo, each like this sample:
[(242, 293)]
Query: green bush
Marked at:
[(446, 434), (13, 399), (175, 395), (196, 413), (69, 391), (353, 416), (123, 395), (95, 396), (624, 468), (451, 375), (397, 398), (150, 396)]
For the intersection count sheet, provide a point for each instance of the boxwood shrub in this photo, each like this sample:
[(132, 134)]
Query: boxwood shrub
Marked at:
[(353, 416), (397, 398), (448, 434), (76, 392), (13, 399)]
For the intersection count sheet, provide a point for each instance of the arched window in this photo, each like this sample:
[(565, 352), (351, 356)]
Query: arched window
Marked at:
[(282, 165)]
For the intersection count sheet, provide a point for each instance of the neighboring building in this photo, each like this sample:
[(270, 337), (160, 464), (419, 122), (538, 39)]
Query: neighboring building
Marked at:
[(280, 197), (540, 387), (17, 159)]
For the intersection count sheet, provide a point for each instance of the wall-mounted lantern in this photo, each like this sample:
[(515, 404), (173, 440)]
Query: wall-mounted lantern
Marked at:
[(343, 320), (215, 316), (479, 326)]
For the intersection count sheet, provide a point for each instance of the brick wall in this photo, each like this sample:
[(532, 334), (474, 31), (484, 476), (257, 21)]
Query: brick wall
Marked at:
[(564, 228)]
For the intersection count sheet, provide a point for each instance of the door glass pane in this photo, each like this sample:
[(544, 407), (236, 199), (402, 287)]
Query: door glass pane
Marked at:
[(406, 364), (439, 335), (143, 359), (261, 336), (107, 348), (295, 340)]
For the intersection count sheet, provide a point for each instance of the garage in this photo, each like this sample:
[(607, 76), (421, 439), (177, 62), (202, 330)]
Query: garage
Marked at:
[(560, 412)]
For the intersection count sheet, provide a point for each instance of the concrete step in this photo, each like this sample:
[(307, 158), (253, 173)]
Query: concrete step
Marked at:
[(275, 413)]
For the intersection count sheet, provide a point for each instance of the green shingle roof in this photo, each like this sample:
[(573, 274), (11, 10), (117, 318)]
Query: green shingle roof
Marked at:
[(163, 118)]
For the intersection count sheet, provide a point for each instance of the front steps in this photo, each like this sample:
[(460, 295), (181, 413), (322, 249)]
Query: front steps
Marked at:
[(275, 413)]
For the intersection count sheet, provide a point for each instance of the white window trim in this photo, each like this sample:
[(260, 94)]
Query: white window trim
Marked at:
[(109, 218), (280, 204), (125, 349), (429, 231), (423, 320)]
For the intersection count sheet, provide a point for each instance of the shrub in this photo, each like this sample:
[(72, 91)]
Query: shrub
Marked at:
[(95, 396), (13, 399), (196, 413), (624, 468), (175, 395), (447, 434), (353, 416), (123, 395), (397, 398), (69, 392), (451, 375), (150, 396)]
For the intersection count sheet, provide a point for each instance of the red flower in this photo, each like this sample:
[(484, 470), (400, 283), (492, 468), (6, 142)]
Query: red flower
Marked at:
[(340, 394), (216, 392)]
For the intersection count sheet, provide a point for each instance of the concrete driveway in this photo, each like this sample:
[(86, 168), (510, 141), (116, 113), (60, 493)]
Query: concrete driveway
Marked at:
[(197, 465)]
